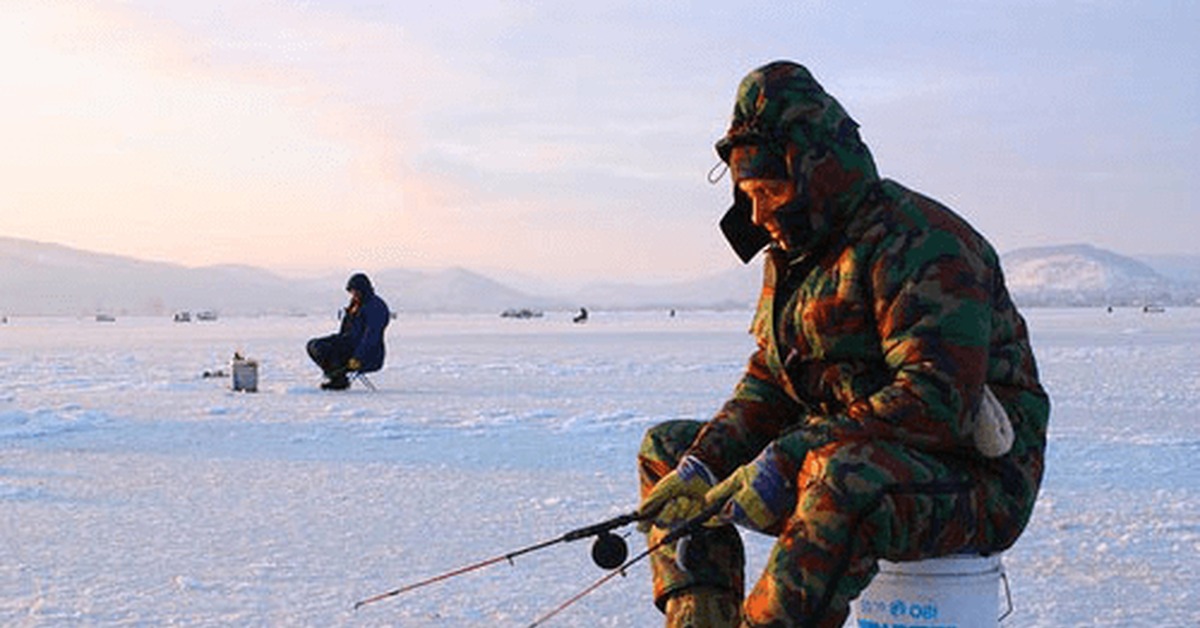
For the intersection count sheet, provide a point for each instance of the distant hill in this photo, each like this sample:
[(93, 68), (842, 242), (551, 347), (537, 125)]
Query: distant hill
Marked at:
[(1181, 269), (733, 289), (48, 279), (454, 290), (1081, 274), (38, 278)]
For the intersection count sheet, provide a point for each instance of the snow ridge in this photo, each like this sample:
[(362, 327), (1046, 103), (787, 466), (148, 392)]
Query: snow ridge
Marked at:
[(48, 279)]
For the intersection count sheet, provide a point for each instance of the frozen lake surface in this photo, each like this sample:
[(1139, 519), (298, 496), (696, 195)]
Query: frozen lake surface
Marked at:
[(135, 491)]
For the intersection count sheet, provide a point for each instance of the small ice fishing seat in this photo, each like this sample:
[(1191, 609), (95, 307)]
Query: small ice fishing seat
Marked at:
[(960, 590), (361, 376)]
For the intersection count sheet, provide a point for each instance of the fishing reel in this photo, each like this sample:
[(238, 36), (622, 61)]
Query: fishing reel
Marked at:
[(609, 551), (691, 550)]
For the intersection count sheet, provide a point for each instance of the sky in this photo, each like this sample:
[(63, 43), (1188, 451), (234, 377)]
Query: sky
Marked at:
[(570, 140)]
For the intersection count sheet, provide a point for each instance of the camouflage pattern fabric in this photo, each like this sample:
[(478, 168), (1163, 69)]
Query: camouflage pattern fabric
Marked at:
[(720, 565), (877, 329), (782, 113)]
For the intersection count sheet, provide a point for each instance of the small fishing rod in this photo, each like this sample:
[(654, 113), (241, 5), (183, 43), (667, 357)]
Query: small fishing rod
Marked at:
[(685, 529), (609, 552)]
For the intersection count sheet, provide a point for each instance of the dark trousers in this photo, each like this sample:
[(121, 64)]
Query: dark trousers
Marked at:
[(856, 502), (331, 354)]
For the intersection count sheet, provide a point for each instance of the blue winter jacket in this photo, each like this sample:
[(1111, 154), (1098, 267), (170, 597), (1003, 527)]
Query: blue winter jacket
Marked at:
[(365, 330)]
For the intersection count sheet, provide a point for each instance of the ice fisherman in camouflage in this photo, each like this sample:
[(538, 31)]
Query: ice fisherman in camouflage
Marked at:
[(892, 408)]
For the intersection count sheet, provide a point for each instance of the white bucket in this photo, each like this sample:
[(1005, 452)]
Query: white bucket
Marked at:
[(961, 591), (245, 375)]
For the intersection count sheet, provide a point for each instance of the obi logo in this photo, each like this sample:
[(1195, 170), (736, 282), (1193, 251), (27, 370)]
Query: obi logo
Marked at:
[(913, 610), (900, 614)]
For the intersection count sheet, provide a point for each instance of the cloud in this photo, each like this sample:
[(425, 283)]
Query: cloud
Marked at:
[(285, 135), (158, 139), (544, 137)]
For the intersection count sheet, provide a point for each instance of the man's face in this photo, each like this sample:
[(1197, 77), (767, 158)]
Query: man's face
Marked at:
[(767, 196)]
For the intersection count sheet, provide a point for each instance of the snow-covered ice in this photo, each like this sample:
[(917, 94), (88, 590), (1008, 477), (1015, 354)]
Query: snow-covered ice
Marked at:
[(135, 491)]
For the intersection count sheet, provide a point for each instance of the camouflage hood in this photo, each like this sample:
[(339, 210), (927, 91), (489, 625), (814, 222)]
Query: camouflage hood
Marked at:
[(784, 122)]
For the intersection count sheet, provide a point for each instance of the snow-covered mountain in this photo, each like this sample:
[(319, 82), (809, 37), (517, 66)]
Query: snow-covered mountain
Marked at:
[(733, 289), (454, 290), (49, 279), (1183, 269), (1080, 274)]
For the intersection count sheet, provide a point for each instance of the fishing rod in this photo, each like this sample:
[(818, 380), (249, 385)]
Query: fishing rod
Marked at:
[(609, 552), (685, 529)]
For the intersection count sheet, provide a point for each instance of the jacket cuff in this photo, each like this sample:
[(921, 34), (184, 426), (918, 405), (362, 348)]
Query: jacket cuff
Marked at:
[(692, 467)]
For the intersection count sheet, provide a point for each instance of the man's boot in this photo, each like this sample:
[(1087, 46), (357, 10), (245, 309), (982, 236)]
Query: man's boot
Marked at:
[(703, 607), (336, 382)]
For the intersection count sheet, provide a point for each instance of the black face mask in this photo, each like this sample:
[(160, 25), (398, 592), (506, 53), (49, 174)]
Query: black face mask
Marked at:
[(747, 238)]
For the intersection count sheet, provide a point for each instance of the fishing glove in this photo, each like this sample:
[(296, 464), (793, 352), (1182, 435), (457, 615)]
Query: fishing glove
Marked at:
[(759, 494), (353, 364), (678, 496)]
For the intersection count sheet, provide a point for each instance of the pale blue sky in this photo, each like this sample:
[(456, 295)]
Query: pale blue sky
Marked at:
[(570, 140)]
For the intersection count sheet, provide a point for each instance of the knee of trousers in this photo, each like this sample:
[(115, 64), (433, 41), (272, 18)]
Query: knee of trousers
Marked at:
[(844, 471), (319, 348), (896, 502), (665, 443), (714, 558), (862, 469)]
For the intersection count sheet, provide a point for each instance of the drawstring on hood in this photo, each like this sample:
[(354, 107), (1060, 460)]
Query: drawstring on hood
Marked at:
[(785, 125)]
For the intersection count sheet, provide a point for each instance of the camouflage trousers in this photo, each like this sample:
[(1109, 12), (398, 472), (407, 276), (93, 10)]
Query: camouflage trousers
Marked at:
[(857, 502)]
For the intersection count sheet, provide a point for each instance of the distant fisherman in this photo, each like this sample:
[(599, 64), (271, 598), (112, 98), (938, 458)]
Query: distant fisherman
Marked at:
[(892, 409), (358, 345)]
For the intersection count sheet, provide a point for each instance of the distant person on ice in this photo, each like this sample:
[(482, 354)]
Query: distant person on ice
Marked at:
[(358, 345), (892, 409)]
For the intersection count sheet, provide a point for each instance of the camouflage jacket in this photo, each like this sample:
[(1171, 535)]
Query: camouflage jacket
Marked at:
[(889, 331), (885, 316)]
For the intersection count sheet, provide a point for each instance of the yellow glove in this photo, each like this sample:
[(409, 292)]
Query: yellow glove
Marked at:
[(759, 494), (678, 496), (353, 364)]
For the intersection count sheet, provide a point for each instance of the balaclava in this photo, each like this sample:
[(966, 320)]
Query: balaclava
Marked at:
[(785, 126)]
